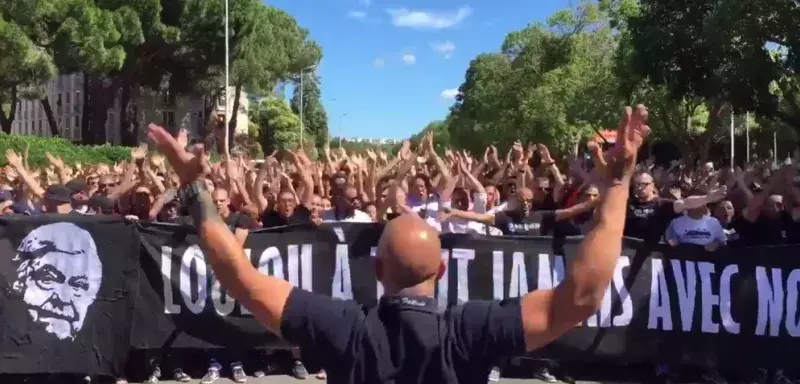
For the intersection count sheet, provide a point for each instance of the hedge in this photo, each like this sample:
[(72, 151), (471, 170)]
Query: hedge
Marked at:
[(69, 152)]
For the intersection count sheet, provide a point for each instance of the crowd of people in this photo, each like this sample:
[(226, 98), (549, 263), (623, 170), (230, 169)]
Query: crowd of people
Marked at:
[(528, 191)]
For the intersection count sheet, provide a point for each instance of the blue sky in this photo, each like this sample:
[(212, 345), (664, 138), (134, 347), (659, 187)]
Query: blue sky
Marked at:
[(390, 67)]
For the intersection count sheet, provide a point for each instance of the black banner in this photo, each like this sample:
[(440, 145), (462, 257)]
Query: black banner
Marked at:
[(67, 294), (665, 305)]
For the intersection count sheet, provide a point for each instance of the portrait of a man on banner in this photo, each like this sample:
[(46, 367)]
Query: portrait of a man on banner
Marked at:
[(58, 276)]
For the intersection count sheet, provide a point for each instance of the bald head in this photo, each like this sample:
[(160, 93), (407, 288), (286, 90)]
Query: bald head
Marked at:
[(409, 254)]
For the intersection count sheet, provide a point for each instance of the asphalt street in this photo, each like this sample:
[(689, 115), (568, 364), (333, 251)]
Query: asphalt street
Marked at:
[(311, 379)]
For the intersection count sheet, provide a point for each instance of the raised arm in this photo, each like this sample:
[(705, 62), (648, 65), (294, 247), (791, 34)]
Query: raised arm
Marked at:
[(263, 295), (547, 314)]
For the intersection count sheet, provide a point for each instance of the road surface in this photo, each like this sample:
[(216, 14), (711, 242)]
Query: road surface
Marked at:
[(311, 379)]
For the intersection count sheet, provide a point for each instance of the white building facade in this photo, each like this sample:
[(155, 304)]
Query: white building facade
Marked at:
[(66, 100)]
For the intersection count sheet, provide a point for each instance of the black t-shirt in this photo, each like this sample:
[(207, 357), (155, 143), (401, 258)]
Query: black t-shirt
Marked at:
[(237, 220), (648, 221), (573, 227), (770, 230), (514, 223), (271, 219), (736, 231), (406, 339)]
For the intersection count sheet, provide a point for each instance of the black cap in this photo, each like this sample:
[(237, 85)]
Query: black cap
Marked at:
[(103, 203), (58, 193), (76, 185)]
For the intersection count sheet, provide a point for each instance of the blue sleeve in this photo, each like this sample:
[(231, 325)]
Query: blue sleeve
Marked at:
[(488, 330), (321, 324)]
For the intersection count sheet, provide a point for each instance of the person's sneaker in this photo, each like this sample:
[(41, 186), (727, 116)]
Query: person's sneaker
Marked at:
[(211, 376), (121, 380), (238, 374), (181, 376), (299, 370), (544, 374), (321, 375), (270, 369), (494, 375), (780, 378), (713, 376), (154, 376), (87, 379)]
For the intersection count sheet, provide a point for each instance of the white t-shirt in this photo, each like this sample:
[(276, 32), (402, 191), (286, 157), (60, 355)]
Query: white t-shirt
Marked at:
[(702, 231), (459, 225), (430, 207), (358, 216)]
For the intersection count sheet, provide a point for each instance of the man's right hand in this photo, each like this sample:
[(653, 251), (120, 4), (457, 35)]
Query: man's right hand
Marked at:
[(188, 166), (620, 161)]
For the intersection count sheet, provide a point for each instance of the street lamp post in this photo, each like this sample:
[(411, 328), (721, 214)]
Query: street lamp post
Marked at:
[(227, 79), (341, 118), (302, 106)]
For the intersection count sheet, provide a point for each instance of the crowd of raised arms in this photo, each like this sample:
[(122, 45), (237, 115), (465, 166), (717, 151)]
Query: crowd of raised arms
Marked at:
[(527, 191)]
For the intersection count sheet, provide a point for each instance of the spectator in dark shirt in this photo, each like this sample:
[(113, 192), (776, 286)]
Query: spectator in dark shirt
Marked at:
[(100, 205), (286, 212), (519, 218), (770, 221), (238, 223), (6, 201), (57, 199), (649, 215), (79, 196), (732, 223)]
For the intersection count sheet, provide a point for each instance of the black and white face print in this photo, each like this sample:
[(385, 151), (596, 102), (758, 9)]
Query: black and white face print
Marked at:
[(58, 277)]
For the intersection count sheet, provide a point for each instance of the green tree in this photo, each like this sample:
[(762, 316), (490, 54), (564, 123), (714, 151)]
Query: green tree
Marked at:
[(315, 119), (743, 52), (552, 83), (276, 125), (21, 63), (271, 48), (441, 136)]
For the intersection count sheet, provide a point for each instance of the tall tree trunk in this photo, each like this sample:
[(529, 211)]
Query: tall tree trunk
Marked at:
[(103, 97), (172, 101), (209, 103), (51, 119), (7, 120), (86, 132), (128, 123), (233, 117)]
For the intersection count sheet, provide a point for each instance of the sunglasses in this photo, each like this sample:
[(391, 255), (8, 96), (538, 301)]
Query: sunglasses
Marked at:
[(107, 185)]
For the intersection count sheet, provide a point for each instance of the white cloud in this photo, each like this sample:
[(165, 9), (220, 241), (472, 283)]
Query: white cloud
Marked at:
[(445, 48), (379, 62), (357, 15), (409, 58), (403, 17), (449, 94)]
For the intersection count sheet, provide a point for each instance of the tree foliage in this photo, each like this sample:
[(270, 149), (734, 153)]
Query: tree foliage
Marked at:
[(743, 52), (551, 82), (315, 119), (126, 48), (277, 127)]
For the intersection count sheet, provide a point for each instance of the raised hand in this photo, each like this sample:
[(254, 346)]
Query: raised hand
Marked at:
[(545, 153), (188, 166), (717, 194), (14, 159), (620, 161), (183, 138), (55, 161), (139, 152)]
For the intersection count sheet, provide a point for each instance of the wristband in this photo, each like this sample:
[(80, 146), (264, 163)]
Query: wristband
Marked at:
[(189, 192)]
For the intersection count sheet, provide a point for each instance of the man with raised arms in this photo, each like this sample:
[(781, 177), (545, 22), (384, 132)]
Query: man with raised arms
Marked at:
[(406, 339)]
